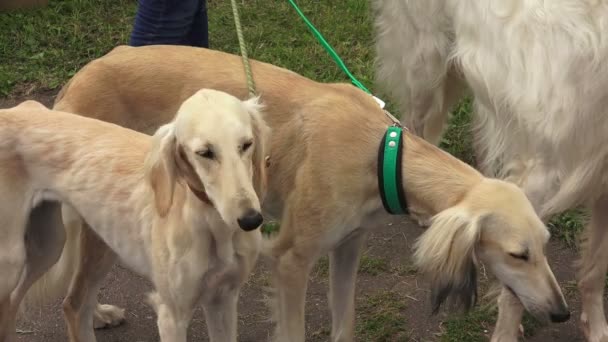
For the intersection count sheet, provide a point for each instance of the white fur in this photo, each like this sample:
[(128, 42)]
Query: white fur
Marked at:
[(538, 73)]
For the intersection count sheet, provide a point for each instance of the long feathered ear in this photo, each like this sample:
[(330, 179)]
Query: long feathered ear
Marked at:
[(261, 152), (445, 254), (160, 168)]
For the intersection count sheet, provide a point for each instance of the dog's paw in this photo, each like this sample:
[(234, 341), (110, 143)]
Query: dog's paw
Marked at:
[(424, 222), (504, 339), (508, 336), (107, 316), (594, 334), (597, 336)]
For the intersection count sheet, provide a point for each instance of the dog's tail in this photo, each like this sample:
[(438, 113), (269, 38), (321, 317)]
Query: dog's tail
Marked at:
[(56, 281)]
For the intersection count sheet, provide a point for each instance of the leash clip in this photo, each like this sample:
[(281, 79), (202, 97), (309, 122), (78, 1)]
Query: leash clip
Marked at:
[(379, 101)]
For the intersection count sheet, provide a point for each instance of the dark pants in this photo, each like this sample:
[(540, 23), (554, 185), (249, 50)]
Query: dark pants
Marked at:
[(172, 22)]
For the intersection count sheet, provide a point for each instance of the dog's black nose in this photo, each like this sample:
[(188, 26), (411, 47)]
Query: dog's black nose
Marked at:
[(560, 317), (251, 220)]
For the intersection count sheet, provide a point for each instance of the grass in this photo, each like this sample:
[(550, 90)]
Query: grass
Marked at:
[(367, 265), (40, 49), (472, 327), (568, 227), (457, 140), (373, 266), (321, 269), (270, 228), (381, 318), (476, 325)]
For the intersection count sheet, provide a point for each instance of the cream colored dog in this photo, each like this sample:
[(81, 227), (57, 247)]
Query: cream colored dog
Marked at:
[(323, 185), (169, 206), (538, 73)]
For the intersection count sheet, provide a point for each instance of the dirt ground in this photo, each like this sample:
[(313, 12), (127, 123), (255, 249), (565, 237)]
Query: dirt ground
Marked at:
[(385, 270)]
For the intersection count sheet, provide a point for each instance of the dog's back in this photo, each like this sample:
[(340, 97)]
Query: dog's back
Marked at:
[(141, 87), (52, 149), (161, 87)]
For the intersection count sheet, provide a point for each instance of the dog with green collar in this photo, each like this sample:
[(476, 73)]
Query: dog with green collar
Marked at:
[(338, 163)]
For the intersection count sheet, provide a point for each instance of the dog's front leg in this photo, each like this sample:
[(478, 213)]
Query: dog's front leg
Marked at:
[(593, 274), (291, 281), (344, 261), (171, 321), (510, 313), (177, 291), (221, 316)]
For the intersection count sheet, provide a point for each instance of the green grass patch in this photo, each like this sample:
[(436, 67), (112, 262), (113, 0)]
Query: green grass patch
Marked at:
[(42, 48), (321, 269), (568, 227), (477, 325), (275, 33), (405, 270), (381, 317), (457, 139), (270, 228), (471, 327), (367, 265), (373, 266)]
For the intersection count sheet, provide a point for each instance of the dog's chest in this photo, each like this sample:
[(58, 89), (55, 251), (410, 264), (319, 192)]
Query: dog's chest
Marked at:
[(224, 274)]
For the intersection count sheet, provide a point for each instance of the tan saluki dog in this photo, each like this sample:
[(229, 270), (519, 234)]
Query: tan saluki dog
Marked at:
[(180, 208), (323, 183)]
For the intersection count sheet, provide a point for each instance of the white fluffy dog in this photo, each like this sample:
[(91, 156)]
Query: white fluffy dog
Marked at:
[(539, 76)]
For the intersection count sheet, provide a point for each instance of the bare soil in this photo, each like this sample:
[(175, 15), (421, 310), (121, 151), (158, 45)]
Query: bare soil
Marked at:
[(386, 269)]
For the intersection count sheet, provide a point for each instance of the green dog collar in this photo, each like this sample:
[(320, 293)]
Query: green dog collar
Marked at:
[(389, 171)]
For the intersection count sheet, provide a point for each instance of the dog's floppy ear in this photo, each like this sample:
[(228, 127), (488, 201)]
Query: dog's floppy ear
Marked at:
[(261, 152), (160, 168), (445, 254)]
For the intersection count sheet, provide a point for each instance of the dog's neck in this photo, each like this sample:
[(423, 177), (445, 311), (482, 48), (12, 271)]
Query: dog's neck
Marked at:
[(200, 194), (433, 179)]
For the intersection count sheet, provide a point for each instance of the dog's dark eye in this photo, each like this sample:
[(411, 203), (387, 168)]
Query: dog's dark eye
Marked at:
[(247, 145), (523, 256), (208, 154)]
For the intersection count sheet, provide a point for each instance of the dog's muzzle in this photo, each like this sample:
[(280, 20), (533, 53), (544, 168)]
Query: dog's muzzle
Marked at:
[(251, 220), (560, 317)]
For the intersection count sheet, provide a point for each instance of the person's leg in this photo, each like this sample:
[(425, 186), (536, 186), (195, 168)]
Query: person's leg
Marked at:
[(165, 22), (199, 34)]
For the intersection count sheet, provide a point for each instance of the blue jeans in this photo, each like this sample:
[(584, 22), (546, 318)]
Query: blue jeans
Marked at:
[(172, 22)]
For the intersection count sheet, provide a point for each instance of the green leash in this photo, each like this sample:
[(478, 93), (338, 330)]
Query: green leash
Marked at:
[(390, 152), (329, 49)]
